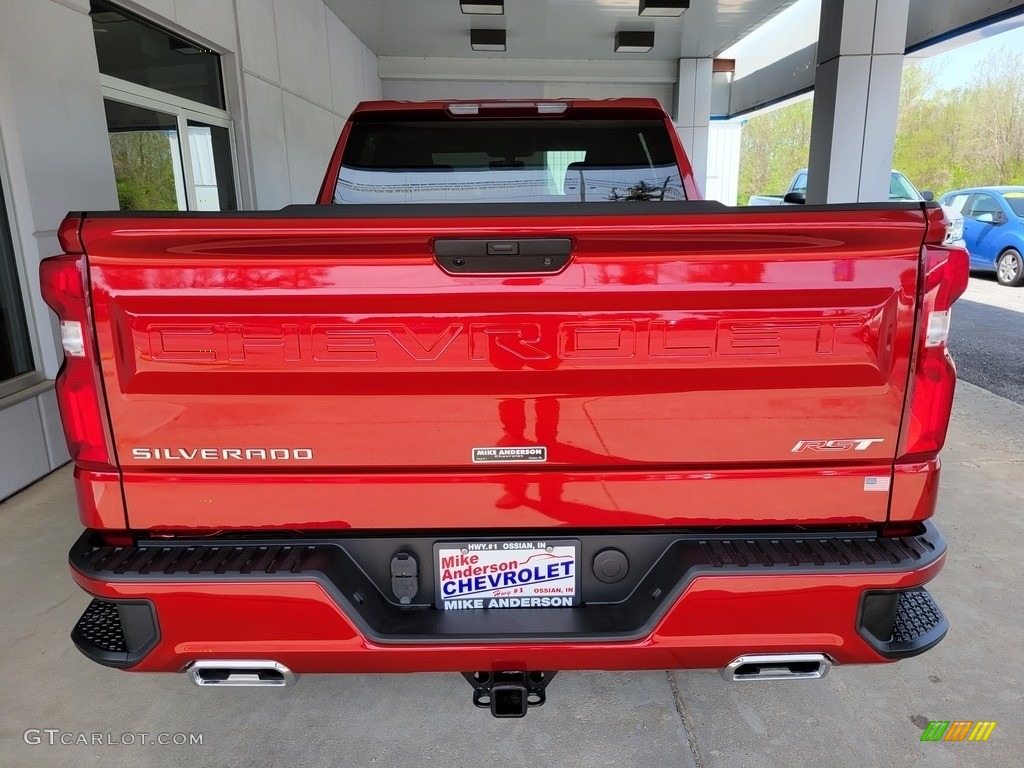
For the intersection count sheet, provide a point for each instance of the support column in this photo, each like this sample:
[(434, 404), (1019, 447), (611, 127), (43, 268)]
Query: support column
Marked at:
[(856, 99), (693, 114)]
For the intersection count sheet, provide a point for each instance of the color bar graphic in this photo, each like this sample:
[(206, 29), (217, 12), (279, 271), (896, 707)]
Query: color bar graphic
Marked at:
[(935, 730), (958, 730), (982, 730)]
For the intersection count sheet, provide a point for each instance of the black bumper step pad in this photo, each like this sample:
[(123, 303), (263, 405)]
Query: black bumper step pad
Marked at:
[(917, 618), (267, 557), (355, 570), (116, 633), (809, 551), (181, 559), (100, 627), (902, 624)]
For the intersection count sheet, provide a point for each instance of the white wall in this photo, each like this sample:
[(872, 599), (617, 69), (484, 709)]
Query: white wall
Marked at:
[(417, 79), (693, 114), (724, 162), (419, 90), (302, 73), (54, 135), (55, 156)]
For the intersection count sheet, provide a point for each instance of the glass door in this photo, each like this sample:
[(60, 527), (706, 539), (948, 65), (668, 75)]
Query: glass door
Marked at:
[(146, 150), (168, 156), (212, 176), (15, 349)]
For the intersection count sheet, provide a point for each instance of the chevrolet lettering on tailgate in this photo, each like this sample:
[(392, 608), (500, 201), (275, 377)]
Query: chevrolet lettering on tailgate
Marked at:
[(280, 342)]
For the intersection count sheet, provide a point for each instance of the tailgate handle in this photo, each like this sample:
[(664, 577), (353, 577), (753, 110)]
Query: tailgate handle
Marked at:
[(474, 257), (503, 248)]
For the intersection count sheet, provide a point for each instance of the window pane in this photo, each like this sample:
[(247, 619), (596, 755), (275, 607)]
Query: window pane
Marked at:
[(983, 204), (15, 351), (210, 149), (525, 160), (900, 188), (957, 202), (1015, 200), (147, 158), (134, 50)]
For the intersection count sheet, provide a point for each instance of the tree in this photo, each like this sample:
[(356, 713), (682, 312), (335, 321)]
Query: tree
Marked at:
[(946, 138), (930, 131), (995, 107), (143, 168), (773, 147)]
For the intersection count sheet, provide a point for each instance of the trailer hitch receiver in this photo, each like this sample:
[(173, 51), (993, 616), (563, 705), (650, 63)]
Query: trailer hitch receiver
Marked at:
[(509, 694)]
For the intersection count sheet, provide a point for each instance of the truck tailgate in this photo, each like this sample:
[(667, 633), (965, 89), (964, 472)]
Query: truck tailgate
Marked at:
[(319, 369)]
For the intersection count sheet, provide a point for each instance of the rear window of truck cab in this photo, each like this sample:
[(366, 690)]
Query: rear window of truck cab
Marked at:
[(508, 161)]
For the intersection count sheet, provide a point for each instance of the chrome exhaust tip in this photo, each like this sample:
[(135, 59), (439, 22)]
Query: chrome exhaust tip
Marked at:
[(778, 666), (241, 673)]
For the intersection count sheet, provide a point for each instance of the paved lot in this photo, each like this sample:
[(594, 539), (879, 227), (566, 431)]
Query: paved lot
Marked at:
[(857, 717), (987, 338)]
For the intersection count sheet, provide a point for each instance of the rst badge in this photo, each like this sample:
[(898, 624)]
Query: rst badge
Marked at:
[(507, 574), (832, 446)]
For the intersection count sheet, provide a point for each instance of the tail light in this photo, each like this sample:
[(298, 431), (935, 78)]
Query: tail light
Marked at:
[(930, 397), (64, 287)]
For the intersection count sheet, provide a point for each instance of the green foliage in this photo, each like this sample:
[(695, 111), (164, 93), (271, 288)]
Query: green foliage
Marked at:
[(774, 146), (946, 138), (144, 170)]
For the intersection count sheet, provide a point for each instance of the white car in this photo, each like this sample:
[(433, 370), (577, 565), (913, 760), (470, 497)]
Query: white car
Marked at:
[(900, 189)]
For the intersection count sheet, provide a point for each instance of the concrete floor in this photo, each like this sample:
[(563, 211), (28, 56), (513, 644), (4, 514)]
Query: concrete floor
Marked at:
[(987, 338), (855, 717)]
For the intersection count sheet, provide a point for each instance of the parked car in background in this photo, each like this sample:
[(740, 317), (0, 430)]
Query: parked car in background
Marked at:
[(900, 190), (993, 229)]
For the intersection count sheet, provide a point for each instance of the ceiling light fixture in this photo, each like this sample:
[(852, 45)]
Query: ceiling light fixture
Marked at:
[(663, 7), (488, 7), (634, 42), (487, 39)]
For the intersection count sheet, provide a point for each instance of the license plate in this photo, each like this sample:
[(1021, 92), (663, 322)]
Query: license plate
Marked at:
[(507, 574)]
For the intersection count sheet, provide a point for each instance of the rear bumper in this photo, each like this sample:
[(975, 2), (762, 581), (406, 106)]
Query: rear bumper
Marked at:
[(693, 601)]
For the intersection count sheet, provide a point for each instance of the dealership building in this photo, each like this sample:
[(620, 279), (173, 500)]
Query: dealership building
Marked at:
[(206, 105)]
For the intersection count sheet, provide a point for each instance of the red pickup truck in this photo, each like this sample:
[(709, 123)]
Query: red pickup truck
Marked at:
[(509, 399)]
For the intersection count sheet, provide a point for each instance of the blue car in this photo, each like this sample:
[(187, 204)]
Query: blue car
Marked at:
[(993, 229)]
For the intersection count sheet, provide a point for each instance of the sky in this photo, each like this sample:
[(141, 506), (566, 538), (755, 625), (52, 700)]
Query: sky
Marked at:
[(953, 60), (956, 67)]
